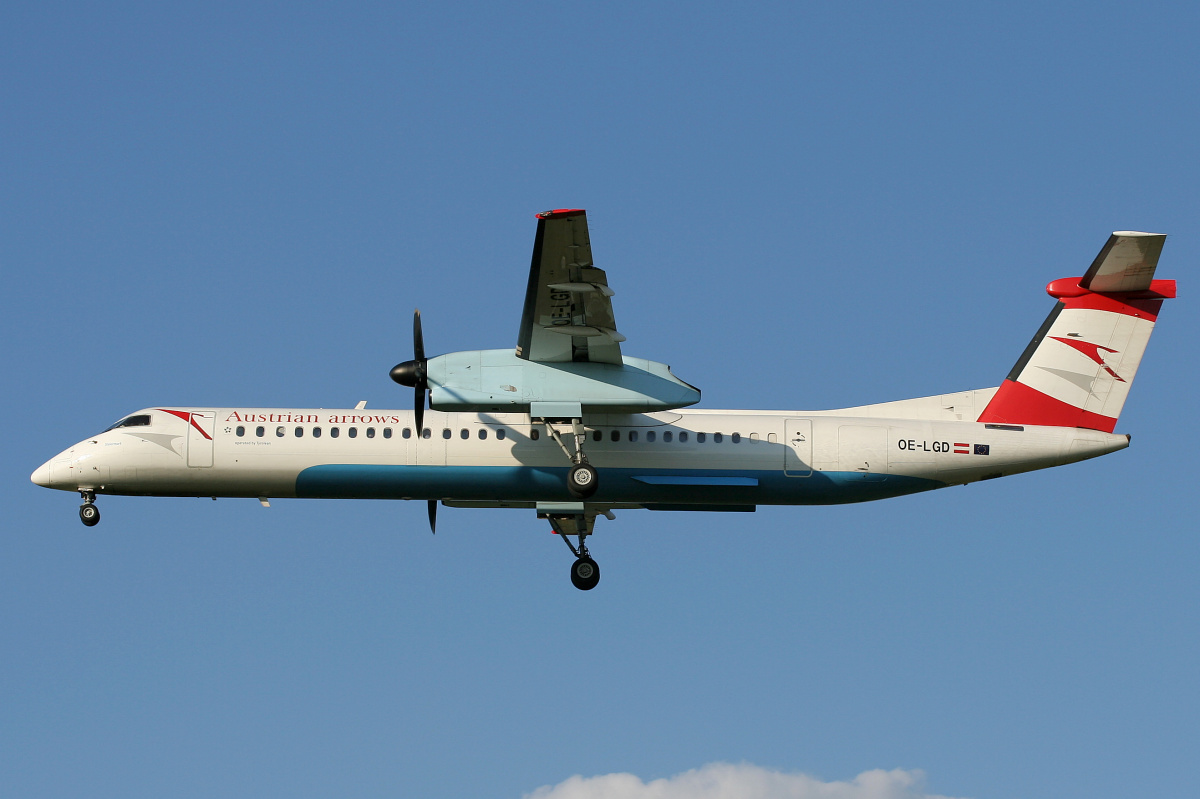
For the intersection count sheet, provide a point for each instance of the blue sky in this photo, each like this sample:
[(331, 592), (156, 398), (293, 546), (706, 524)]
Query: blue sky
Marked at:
[(799, 206)]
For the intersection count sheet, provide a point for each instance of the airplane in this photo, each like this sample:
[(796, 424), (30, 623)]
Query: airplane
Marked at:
[(568, 426)]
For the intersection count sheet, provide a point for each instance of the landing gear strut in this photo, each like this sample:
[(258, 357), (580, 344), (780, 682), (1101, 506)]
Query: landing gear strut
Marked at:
[(585, 574), (89, 514), (582, 479)]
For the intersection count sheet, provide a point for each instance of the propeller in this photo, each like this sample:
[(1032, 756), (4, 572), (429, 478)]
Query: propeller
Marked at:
[(414, 373)]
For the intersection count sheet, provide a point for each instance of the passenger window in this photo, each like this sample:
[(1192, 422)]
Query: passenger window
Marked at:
[(299, 432), (597, 435), (534, 434), (464, 434), (370, 432), (406, 433), (445, 432), (500, 434), (615, 435), (754, 436), (736, 438), (633, 435), (701, 438), (316, 432), (718, 438), (650, 436), (682, 436), (241, 431), (426, 433), (387, 432), (260, 431), (352, 432), (279, 431), (334, 432), (667, 436), (482, 433)]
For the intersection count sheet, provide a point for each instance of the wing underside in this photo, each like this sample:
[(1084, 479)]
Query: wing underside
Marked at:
[(568, 313)]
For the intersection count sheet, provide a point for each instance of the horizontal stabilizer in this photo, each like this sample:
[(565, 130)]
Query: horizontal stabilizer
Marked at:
[(1125, 263)]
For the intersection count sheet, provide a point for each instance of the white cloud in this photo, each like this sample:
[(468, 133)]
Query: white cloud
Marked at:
[(741, 781)]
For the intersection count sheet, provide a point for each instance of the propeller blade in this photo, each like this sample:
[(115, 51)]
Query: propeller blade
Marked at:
[(433, 516), (419, 409), (418, 338)]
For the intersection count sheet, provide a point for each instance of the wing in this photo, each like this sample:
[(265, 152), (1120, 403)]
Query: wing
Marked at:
[(1125, 263), (568, 315)]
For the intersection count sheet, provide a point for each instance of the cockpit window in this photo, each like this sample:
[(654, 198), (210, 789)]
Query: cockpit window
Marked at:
[(138, 420)]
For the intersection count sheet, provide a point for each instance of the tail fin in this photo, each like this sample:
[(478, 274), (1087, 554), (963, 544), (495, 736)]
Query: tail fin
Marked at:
[(1077, 370)]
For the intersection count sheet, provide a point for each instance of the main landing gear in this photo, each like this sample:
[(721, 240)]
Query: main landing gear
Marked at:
[(89, 514), (582, 479), (585, 574)]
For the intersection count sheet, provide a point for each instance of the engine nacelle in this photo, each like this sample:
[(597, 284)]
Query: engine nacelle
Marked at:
[(497, 380)]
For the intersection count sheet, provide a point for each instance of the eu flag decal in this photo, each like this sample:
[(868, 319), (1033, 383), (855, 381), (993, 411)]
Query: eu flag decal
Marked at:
[(983, 449)]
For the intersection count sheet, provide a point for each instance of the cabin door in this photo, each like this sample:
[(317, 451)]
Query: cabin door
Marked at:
[(200, 438), (797, 450)]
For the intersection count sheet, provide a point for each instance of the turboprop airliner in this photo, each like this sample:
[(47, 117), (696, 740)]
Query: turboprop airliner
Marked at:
[(568, 426)]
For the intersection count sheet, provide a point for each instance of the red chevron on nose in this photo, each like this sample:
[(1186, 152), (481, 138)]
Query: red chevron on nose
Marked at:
[(189, 418)]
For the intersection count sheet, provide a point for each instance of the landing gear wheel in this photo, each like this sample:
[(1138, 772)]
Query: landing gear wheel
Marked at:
[(582, 481), (585, 574), (89, 514)]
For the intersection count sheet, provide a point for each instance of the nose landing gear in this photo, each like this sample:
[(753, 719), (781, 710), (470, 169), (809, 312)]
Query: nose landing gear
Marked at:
[(585, 573), (89, 514)]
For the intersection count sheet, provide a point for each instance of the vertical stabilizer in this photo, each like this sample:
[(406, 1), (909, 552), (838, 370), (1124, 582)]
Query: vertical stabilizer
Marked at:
[(1077, 370)]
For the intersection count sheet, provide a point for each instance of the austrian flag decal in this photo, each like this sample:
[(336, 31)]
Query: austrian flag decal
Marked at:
[(968, 449)]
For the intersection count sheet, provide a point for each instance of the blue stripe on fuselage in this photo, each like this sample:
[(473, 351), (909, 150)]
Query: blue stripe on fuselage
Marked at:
[(617, 485)]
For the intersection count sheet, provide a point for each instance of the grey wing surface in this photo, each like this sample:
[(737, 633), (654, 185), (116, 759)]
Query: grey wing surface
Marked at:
[(568, 312)]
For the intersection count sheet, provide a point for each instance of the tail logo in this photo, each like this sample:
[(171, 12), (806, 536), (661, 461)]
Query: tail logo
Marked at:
[(1092, 351)]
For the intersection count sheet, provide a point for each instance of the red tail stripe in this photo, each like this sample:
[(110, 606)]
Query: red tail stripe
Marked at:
[(1017, 403), (1116, 303)]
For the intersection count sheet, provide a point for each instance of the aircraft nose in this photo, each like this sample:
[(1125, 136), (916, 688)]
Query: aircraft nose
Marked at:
[(41, 475)]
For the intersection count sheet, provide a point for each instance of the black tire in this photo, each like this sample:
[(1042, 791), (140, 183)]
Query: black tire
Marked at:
[(89, 514), (582, 481), (585, 574)]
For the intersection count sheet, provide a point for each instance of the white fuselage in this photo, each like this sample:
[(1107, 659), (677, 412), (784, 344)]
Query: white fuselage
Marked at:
[(680, 459)]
